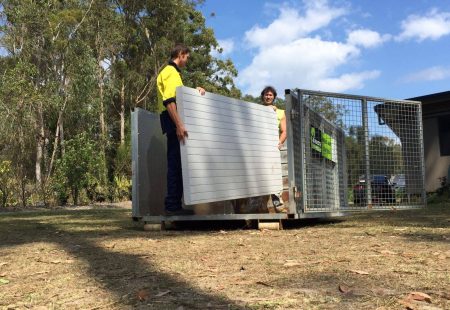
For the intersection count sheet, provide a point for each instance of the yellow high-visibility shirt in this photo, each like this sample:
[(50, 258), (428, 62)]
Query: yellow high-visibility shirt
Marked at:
[(167, 82), (280, 116)]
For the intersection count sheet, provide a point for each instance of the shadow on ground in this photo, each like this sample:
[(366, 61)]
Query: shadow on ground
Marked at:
[(122, 274)]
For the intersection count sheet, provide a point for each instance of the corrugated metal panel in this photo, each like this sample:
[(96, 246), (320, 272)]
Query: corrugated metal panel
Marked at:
[(232, 148)]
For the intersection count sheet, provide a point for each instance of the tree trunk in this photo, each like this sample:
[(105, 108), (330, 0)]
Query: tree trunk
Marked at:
[(75, 196), (102, 111), (40, 146), (122, 113), (23, 184), (55, 144), (61, 136), (4, 197)]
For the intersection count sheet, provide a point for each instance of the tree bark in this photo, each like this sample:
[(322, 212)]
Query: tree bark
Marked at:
[(55, 144), (102, 109), (61, 136), (39, 145), (122, 113)]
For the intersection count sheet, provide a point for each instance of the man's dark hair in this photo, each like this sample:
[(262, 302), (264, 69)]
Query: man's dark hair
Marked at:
[(179, 49), (268, 89)]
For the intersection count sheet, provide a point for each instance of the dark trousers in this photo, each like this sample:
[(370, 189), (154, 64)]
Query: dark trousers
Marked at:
[(174, 175)]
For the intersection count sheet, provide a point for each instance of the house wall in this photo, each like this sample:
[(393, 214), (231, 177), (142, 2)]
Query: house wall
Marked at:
[(436, 166)]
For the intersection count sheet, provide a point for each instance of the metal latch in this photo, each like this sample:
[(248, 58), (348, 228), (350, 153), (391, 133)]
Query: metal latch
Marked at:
[(294, 113), (297, 195)]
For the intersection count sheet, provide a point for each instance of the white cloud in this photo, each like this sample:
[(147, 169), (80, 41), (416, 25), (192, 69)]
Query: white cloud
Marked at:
[(290, 25), (432, 26), (436, 73), (227, 46), (347, 81), (305, 63), (287, 56), (366, 38)]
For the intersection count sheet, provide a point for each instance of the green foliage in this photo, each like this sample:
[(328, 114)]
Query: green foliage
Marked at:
[(332, 111), (279, 103), (122, 160), (79, 168), (121, 188), (74, 71), (5, 182)]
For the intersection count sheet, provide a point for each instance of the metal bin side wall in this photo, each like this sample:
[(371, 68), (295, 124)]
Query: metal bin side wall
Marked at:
[(149, 164)]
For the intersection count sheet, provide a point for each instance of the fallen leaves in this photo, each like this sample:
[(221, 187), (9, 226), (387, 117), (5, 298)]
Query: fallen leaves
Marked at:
[(291, 263), (416, 301), (359, 272), (388, 252), (344, 289), (163, 293), (111, 246), (145, 294), (263, 283), (419, 296)]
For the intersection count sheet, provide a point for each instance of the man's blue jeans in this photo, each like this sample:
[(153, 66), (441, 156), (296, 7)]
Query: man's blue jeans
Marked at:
[(174, 174)]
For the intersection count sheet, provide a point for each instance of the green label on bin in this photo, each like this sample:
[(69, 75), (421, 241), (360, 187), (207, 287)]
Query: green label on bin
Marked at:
[(316, 139), (327, 143)]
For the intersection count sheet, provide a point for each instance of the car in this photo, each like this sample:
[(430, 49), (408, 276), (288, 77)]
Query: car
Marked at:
[(398, 182), (382, 190)]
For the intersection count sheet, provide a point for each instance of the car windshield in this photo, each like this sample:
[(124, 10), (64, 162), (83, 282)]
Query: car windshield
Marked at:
[(379, 179)]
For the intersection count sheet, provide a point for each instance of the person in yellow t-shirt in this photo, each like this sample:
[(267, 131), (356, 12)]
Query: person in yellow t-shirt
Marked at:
[(172, 126), (268, 95)]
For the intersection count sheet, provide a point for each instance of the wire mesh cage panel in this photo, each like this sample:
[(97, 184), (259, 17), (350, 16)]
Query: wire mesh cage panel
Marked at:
[(356, 152)]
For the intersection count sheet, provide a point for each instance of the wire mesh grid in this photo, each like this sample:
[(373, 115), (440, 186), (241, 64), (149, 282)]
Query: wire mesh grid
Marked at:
[(358, 152)]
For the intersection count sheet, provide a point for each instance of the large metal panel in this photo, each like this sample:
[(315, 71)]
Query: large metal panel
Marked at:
[(231, 151), (149, 164)]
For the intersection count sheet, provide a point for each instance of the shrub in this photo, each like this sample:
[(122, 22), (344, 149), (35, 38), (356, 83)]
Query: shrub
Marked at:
[(79, 168), (5, 182)]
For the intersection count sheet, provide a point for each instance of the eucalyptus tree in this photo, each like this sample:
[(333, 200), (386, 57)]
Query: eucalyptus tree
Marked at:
[(76, 68)]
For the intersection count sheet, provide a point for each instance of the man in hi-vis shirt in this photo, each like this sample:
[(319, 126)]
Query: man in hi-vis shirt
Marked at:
[(172, 126)]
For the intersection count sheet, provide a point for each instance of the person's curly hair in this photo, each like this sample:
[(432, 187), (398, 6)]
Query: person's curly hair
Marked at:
[(268, 89)]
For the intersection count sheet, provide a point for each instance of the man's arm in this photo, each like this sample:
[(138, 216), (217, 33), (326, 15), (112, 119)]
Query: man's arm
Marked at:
[(180, 129), (283, 132), (173, 113)]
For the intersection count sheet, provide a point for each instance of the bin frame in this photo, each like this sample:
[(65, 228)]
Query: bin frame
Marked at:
[(296, 204)]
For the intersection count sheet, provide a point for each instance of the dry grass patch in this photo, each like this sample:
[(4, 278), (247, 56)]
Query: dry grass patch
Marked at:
[(99, 259)]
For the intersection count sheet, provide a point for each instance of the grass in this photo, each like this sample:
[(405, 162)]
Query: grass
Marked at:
[(99, 259)]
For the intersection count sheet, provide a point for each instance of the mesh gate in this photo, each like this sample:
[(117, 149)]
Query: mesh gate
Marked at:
[(355, 152)]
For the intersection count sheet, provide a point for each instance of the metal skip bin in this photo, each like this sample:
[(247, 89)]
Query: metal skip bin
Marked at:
[(344, 153), (373, 143), (231, 154)]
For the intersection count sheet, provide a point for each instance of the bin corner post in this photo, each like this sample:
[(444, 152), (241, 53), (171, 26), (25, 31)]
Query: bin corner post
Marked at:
[(134, 164), (422, 153), (294, 113), (290, 150), (365, 122)]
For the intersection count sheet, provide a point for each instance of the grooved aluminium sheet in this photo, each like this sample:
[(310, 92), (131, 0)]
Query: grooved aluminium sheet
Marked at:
[(232, 148)]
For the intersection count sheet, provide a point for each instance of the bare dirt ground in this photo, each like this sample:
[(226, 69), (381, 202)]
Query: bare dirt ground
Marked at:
[(97, 258)]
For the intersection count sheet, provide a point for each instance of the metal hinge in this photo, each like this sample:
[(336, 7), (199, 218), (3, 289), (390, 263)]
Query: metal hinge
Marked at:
[(294, 114)]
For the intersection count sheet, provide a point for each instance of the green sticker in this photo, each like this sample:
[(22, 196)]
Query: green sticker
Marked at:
[(327, 143), (316, 140)]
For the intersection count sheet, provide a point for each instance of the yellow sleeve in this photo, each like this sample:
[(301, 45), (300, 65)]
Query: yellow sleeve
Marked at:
[(171, 79)]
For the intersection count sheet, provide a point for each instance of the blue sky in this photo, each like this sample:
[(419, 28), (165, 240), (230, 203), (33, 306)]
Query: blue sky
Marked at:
[(394, 49)]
